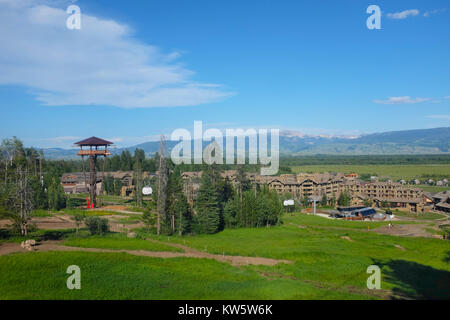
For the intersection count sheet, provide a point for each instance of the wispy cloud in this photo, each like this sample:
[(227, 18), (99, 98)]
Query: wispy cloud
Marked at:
[(440, 116), (402, 100), (101, 64), (435, 11), (403, 14), (62, 139)]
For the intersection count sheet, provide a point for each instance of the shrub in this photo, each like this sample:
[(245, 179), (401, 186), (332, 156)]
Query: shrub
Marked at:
[(75, 202), (97, 225)]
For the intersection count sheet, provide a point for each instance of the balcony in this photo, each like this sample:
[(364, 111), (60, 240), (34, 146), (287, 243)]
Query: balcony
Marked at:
[(94, 153)]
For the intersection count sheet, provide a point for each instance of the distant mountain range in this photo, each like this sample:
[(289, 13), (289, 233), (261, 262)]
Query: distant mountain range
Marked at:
[(422, 141)]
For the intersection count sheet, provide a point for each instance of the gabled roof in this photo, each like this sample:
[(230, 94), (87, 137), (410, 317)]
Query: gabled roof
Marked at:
[(443, 205), (442, 195), (93, 141), (399, 200)]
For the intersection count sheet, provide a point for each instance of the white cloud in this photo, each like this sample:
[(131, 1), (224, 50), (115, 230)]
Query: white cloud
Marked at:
[(440, 116), (63, 139), (435, 11), (402, 100), (101, 64), (403, 14)]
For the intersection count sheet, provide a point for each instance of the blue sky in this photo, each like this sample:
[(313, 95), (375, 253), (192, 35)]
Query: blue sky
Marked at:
[(137, 69)]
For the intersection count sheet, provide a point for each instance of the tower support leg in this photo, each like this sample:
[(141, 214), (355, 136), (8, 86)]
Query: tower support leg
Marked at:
[(93, 179)]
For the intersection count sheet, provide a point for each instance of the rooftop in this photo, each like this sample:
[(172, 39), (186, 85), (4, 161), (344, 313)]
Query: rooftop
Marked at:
[(94, 141)]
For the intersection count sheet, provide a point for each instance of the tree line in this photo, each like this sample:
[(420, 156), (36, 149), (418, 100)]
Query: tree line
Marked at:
[(28, 182), (288, 161), (218, 204)]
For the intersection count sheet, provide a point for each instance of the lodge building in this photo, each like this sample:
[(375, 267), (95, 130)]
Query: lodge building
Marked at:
[(75, 182), (298, 186), (332, 185)]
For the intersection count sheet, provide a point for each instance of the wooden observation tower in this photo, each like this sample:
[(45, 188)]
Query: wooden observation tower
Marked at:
[(95, 147)]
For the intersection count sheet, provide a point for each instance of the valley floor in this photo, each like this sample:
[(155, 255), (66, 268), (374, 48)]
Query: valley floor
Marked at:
[(308, 257)]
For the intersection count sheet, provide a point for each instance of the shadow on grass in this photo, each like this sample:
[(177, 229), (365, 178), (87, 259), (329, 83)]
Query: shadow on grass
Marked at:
[(40, 235), (447, 257), (412, 280), (55, 234), (5, 234)]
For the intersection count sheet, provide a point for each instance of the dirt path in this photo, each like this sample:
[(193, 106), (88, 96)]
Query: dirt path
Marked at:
[(407, 230), (46, 223), (58, 222), (7, 248), (117, 208)]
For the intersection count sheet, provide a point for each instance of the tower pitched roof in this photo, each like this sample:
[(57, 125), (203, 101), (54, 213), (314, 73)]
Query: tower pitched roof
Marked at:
[(93, 141)]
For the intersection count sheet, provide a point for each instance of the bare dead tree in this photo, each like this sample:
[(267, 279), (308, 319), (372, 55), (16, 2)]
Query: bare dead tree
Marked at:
[(8, 150), (139, 182), (41, 158), (21, 200), (163, 178)]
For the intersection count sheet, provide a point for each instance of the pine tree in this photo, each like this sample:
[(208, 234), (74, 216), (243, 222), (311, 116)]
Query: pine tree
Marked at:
[(333, 199), (56, 196), (344, 199), (305, 201), (243, 182), (183, 215), (231, 212), (324, 200), (179, 214), (208, 208)]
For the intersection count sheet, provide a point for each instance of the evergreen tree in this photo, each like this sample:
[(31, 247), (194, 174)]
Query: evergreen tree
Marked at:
[(225, 189), (39, 195), (208, 207), (243, 183), (324, 200), (179, 214), (139, 156), (344, 199), (305, 201), (368, 202), (56, 196), (108, 184), (257, 208), (126, 161), (117, 187), (333, 199), (183, 215), (232, 212)]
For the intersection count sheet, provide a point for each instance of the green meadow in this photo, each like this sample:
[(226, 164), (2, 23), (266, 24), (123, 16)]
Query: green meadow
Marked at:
[(117, 241), (329, 261)]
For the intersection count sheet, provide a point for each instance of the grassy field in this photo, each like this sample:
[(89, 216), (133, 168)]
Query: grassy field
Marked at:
[(117, 241), (407, 172), (89, 212), (433, 189), (106, 199), (40, 235), (421, 216), (122, 276), (329, 261), (41, 213)]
